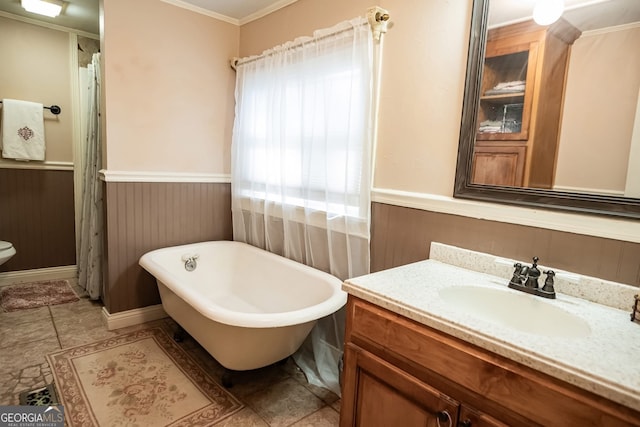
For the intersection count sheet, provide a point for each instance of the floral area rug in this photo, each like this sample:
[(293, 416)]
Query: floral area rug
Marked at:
[(36, 294), (140, 378)]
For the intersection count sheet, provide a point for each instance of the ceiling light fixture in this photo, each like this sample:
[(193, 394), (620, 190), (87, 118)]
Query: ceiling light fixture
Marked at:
[(51, 8), (546, 12)]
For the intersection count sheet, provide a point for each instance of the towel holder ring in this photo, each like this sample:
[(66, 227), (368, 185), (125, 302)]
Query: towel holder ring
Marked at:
[(55, 109)]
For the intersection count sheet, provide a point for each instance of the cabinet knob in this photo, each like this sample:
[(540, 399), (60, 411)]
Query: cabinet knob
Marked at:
[(443, 417), (465, 423)]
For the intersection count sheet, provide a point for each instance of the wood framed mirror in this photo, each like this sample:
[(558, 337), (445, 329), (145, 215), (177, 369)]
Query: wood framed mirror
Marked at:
[(513, 145)]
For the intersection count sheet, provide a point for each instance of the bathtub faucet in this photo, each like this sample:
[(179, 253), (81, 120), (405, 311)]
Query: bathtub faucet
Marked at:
[(190, 261)]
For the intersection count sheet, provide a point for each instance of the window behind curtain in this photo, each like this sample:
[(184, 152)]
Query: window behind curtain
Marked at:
[(302, 134)]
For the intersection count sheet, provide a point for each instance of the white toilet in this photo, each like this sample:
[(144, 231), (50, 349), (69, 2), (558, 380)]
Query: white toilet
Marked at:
[(6, 251)]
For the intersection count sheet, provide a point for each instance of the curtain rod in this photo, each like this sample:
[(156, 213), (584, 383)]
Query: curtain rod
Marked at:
[(54, 109), (377, 17)]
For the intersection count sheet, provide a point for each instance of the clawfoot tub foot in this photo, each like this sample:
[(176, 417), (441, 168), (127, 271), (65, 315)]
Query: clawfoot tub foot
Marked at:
[(179, 334), (226, 378)]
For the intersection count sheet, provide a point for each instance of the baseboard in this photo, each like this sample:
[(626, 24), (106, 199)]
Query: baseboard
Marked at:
[(51, 273), (136, 316)]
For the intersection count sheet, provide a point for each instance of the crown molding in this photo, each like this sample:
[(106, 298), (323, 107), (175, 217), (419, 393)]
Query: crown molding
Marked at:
[(48, 25), (245, 20), (267, 10), (202, 11)]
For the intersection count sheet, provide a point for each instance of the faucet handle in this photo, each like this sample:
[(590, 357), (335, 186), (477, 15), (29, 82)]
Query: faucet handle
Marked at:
[(190, 256), (517, 268), (517, 279), (548, 283)]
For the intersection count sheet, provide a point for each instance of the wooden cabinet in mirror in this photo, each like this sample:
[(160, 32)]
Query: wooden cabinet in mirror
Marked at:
[(547, 122)]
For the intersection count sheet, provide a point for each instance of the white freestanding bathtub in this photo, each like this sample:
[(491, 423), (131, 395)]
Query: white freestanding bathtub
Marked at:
[(247, 307)]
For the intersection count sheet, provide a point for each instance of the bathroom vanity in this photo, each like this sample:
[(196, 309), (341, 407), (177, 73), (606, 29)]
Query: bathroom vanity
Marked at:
[(435, 344)]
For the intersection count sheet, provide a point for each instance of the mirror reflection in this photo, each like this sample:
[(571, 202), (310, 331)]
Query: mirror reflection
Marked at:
[(559, 103)]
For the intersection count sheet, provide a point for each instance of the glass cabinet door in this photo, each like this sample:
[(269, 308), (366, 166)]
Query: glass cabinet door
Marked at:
[(507, 90)]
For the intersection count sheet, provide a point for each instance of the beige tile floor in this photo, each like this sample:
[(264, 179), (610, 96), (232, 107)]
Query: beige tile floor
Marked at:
[(277, 395)]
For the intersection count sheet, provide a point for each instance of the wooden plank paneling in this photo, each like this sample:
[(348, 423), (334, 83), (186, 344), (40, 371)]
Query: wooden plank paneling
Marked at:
[(140, 217), (37, 216), (402, 235), (144, 216)]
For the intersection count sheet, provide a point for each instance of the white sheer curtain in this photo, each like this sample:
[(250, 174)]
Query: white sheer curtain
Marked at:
[(301, 165), (91, 222)]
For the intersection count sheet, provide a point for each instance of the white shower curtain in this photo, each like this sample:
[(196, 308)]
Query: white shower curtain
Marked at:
[(91, 223), (301, 165)]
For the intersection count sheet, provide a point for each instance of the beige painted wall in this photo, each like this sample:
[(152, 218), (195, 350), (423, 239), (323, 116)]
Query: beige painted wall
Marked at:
[(301, 18), (169, 88), (599, 112), (35, 66), (165, 116), (422, 81)]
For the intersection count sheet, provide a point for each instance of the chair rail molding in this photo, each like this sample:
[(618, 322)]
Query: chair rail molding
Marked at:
[(152, 176), (590, 225)]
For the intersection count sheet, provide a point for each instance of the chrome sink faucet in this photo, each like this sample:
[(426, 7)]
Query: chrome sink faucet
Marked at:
[(525, 279)]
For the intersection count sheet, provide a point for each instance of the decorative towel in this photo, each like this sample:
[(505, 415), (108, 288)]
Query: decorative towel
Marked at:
[(22, 130), (507, 87)]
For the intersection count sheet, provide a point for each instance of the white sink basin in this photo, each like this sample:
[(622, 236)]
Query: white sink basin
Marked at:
[(516, 310)]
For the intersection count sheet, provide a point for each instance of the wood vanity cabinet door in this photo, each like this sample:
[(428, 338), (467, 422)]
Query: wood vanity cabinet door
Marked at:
[(382, 395)]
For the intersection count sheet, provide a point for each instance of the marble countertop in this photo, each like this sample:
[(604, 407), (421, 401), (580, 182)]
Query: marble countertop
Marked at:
[(606, 362)]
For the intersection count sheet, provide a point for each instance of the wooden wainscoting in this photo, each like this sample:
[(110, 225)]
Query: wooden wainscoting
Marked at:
[(402, 235), (37, 216), (142, 216)]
